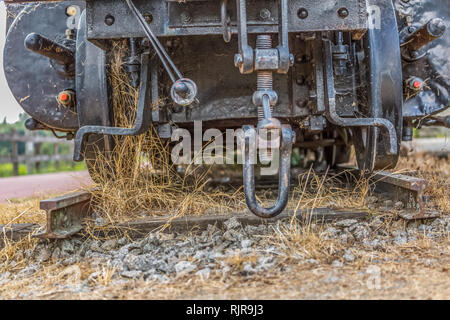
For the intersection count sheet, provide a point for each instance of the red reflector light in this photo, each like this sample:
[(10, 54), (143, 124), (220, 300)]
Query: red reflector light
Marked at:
[(64, 97)]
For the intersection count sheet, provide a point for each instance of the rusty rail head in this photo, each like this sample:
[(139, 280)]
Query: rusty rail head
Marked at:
[(401, 180), (400, 187), (65, 200), (65, 214), (407, 189)]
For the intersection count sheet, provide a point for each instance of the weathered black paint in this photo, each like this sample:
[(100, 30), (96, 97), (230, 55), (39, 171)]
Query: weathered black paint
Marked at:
[(343, 83)]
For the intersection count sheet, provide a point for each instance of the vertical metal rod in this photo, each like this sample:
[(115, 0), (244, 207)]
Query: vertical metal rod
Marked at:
[(242, 24), (225, 19), (15, 155), (283, 23), (162, 54), (154, 90)]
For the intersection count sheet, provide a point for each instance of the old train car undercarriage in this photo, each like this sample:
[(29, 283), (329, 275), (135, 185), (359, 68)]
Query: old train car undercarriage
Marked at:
[(322, 75)]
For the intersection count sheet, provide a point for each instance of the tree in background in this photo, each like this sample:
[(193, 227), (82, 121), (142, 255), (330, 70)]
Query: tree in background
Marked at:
[(19, 127)]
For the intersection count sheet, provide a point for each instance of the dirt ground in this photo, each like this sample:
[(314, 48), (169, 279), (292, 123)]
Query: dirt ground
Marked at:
[(397, 280), (315, 266)]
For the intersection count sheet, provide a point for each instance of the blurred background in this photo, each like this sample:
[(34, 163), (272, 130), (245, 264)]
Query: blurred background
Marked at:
[(10, 109)]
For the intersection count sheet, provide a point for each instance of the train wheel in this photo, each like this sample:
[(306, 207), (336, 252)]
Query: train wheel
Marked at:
[(338, 154), (364, 141), (384, 90)]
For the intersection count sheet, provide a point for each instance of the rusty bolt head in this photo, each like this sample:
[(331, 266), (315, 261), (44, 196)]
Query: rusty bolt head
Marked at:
[(300, 80), (66, 97), (343, 13), (109, 20), (436, 27), (415, 83), (302, 13), (148, 17), (185, 17), (71, 11), (265, 14), (237, 60)]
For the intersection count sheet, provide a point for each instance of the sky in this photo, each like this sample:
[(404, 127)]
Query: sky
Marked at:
[(9, 107)]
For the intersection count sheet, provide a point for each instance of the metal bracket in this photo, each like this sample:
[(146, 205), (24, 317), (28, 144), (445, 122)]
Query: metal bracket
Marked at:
[(330, 102), (403, 188), (411, 47), (287, 139), (143, 116), (245, 59), (286, 58)]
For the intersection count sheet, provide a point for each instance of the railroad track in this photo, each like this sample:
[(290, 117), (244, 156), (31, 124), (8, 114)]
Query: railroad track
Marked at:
[(66, 214)]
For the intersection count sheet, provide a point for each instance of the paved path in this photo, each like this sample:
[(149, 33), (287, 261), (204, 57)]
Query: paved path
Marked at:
[(434, 145), (35, 185), (439, 146)]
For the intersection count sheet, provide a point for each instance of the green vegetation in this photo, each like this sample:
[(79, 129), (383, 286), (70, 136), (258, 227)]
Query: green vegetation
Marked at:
[(6, 170)]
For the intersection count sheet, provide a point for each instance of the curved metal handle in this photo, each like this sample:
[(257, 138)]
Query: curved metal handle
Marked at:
[(287, 139), (143, 115)]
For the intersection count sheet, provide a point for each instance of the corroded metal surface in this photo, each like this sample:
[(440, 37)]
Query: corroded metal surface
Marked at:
[(403, 188), (65, 214), (397, 187)]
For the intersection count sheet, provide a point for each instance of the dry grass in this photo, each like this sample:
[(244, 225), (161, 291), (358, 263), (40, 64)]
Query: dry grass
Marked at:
[(105, 275), (323, 190), (23, 211), (236, 262), (14, 255), (137, 178), (300, 242), (404, 274)]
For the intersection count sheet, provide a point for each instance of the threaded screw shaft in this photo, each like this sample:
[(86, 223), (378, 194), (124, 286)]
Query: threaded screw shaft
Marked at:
[(264, 82)]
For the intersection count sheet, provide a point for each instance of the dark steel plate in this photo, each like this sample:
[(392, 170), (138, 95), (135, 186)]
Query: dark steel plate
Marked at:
[(32, 78)]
